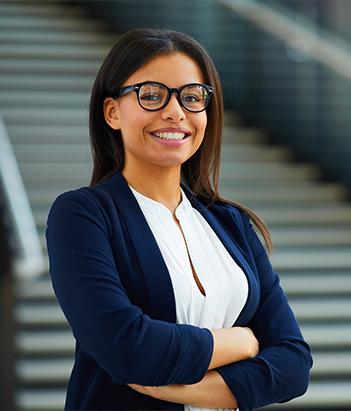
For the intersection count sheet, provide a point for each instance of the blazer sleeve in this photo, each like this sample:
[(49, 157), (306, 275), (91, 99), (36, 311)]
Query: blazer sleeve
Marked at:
[(129, 345), (280, 371)]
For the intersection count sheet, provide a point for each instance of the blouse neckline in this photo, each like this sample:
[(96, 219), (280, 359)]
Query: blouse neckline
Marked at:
[(152, 205)]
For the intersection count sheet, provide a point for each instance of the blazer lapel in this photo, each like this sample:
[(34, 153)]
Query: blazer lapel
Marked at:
[(236, 253), (158, 280)]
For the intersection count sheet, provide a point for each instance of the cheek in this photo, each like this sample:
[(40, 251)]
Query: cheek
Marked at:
[(135, 121)]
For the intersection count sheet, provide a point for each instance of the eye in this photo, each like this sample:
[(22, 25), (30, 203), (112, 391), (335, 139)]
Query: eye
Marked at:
[(151, 97), (191, 98), (194, 94)]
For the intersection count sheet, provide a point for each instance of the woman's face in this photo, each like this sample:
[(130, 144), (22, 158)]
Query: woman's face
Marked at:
[(138, 126)]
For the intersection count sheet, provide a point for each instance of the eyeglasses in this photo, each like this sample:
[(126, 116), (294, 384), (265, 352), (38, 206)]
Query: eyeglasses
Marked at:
[(153, 95)]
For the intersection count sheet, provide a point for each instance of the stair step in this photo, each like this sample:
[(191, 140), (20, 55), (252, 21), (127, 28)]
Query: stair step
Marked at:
[(54, 37), (46, 83), (45, 99), (43, 196), (38, 23), (52, 116), (312, 259), (53, 153), (328, 336), (287, 193), (311, 284), (334, 363), (41, 9), (260, 171), (240, 135), (232, 118), (321, 309), (46, 66), (36, 290), (250, 152), (60, 51), (321, 395), (308, 215), (312, 236), (44, 370), (45, 342), (39, 314), (41, 133), (43, 400), (45, 172)]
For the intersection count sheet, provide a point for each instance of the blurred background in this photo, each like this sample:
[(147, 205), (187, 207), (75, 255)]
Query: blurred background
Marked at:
[(285, 68)]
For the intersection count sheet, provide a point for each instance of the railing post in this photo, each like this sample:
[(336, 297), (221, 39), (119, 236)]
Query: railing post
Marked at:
[(7, 328)]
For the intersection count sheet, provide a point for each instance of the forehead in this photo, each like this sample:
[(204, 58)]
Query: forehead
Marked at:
[(174, 70)]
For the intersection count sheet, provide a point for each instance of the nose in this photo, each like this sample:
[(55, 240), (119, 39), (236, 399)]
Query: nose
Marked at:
[(173, 110)]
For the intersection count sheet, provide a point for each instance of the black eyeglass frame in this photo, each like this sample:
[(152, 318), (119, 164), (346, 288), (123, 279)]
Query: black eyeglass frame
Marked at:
[(135, 87)]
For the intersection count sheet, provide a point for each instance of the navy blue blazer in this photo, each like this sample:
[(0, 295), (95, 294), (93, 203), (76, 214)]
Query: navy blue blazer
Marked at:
[(115, 290)]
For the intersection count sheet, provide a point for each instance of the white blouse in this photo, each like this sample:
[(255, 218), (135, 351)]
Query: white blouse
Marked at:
[(224, 282)]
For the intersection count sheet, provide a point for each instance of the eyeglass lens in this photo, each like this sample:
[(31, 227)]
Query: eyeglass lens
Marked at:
[(154, 96)]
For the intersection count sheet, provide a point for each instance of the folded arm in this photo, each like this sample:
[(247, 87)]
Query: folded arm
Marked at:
[(280, 371)]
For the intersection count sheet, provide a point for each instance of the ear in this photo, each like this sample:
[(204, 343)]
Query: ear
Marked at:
[(111, 113)]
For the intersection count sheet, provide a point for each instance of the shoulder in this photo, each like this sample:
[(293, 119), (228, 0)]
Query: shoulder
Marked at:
[(232, 213), (237, 222), (87, 197), (87, 202)]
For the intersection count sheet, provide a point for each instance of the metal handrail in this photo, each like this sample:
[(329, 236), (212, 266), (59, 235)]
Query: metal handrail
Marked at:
[(27, 260), (328, 49)]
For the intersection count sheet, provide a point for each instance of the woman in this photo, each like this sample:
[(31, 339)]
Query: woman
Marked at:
[(167, 288)]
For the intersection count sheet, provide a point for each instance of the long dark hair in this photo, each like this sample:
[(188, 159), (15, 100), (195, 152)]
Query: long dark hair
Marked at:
[(135, 48)]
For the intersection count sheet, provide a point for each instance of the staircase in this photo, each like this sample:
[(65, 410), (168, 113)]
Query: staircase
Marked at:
[(49, 55)]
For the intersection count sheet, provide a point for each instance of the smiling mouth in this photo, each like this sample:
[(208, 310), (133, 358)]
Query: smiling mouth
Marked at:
[(170, 136)]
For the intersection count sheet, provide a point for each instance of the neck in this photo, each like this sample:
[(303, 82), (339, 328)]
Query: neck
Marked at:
[(162, 185)]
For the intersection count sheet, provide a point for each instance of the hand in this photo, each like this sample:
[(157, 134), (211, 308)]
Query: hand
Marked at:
[(245, 339), (231, 345), (255, 344)]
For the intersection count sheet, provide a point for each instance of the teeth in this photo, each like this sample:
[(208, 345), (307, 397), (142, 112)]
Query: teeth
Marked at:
[(170, 136)]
